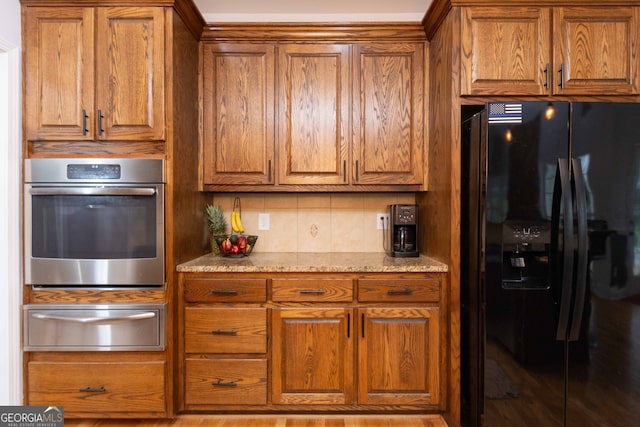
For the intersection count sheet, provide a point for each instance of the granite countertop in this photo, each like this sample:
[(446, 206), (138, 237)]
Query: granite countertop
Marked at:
[(303, 262)]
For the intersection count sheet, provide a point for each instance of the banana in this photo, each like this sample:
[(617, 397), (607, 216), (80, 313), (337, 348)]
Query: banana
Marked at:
[(234, 222), (239, 223)]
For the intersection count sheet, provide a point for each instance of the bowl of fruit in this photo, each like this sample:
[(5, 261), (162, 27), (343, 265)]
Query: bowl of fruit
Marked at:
[(235, 245)]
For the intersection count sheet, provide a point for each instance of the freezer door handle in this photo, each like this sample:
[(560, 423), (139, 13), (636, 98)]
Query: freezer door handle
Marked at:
[(562, 197), (583, 261)]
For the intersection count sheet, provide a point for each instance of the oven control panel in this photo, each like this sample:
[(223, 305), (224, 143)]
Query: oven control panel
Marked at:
[(93, 171)]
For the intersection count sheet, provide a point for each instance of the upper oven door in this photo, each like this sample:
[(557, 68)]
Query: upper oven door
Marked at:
[(94, 234)]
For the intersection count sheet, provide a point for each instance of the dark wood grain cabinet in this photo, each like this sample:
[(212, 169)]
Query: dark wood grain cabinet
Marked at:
[(238, 145), (388, 113), (224, 343), (95, 73), (345, 342), (292, 116), (590, 50)]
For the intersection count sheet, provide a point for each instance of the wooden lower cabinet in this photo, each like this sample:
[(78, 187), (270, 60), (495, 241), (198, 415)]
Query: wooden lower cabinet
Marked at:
[(122, 387), (309, 342), (398, 354), (225, 330), (312, 356), (226, 381)]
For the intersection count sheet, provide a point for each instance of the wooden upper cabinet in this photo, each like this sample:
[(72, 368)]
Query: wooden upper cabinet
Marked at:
[(94, 73), (388, 113), (505, 51), (238, 123), (298, 115), (595, 50), (59, 83), (313, 113), (549, 51), (130, 73)]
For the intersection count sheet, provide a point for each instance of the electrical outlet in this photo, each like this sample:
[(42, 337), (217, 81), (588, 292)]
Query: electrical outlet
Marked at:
[(382, 221), (263, 221)]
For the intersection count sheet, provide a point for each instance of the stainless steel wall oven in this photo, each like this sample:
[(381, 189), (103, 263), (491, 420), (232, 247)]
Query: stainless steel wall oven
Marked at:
[(96, 222)]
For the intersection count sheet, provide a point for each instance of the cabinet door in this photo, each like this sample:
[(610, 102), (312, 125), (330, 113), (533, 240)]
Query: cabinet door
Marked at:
[(312, 356), (505, 51), (313, 113), (388, 113), (238, 122), (596, 50), (59, 85), (398, 356), (130, 76)]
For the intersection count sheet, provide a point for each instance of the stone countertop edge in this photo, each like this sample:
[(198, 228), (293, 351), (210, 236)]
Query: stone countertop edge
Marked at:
[(306, 262)]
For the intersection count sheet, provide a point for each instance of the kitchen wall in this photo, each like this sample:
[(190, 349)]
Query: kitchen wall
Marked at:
[(314, 222), (10, 284)]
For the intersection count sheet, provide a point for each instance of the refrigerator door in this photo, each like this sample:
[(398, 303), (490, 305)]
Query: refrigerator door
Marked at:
[(473, 172), (524, 142), (522, 159), (604, 376)]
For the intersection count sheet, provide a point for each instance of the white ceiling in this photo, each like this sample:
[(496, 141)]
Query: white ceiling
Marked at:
[(313, 10)]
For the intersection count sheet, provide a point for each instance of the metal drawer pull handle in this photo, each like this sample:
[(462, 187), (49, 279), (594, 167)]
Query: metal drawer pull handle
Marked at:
[(224, 332), (85, 116), (93, 191), (400, 291), (221, 383), (100, 389), (224, 292), (312, 291), (100, 118), (137, 316)]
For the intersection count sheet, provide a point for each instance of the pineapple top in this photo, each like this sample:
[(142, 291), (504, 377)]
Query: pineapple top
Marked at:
[(217, 222)]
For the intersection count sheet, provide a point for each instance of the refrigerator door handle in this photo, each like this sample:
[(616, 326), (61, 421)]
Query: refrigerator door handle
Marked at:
[(582, 264), (562, 193)]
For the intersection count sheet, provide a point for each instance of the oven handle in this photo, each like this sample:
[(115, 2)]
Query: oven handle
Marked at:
[(137, 316), (92, 191)]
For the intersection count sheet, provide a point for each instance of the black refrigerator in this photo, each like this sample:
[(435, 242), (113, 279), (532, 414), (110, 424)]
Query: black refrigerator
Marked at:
[(550, 264)]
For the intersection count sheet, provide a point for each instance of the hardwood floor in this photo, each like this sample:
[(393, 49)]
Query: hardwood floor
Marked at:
[(607, 385), (199, 420)]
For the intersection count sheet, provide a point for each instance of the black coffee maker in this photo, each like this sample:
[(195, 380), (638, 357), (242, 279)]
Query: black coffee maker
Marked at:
[(401, 237)]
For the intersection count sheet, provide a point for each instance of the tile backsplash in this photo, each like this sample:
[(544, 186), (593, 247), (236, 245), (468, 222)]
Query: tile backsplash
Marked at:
[(318, 222)]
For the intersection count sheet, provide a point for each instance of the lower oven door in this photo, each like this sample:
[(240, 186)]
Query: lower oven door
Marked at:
[(94, 327)]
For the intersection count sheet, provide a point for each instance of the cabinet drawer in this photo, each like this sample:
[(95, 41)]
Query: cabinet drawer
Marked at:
[(98, 387), (225, 290), (312, 290), (399, 290), (225, 330), (226, 382)]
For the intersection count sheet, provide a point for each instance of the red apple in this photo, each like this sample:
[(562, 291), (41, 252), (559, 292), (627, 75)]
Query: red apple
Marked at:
[(242, 242), (225, 246)]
